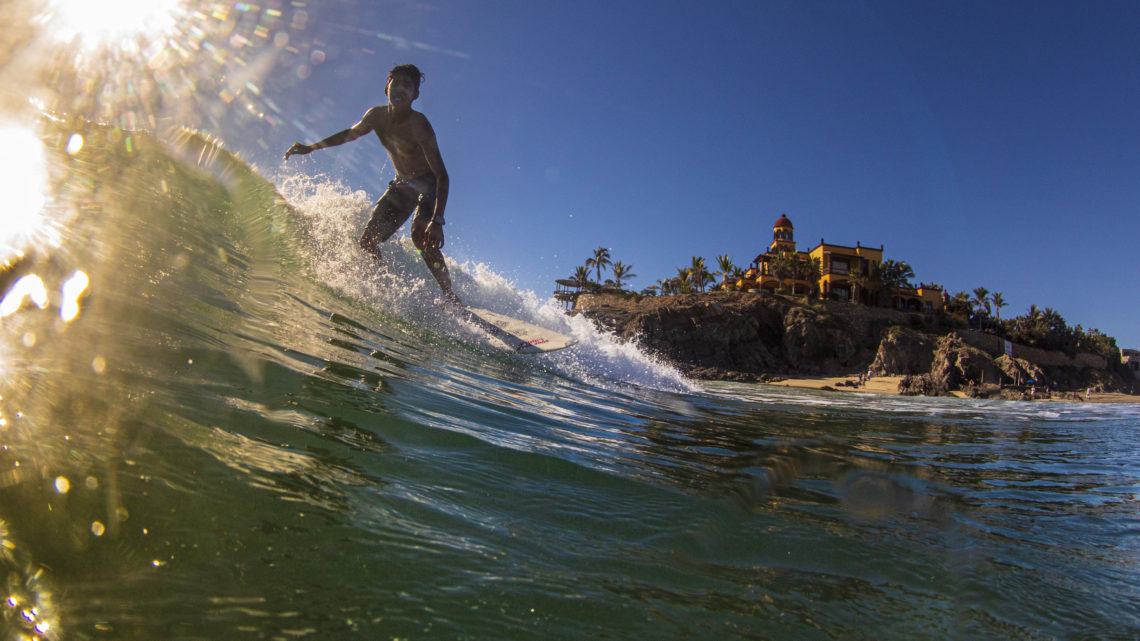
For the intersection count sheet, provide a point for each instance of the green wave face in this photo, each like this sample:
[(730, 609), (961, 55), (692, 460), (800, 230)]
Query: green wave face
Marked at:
[(190, 364), (218, 419)]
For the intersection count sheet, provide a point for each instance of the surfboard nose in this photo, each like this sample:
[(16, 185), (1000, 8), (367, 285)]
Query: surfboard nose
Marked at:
[(518, 335)]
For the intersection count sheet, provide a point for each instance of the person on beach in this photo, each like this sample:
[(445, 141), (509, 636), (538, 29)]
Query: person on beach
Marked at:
[(421, 182)]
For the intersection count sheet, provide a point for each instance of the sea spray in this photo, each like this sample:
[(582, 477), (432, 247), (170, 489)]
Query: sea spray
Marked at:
[(333, 217)]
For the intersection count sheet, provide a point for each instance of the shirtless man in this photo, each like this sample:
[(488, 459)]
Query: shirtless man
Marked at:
[(421, 180)]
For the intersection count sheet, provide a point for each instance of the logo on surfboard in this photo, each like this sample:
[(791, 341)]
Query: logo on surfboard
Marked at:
[(537, 341)]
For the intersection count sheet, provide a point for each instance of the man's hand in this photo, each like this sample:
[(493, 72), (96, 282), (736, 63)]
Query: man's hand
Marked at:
[(433, 236), (298, 149)]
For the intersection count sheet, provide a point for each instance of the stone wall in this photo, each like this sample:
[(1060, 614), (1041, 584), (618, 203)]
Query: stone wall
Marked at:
[(995, 346)]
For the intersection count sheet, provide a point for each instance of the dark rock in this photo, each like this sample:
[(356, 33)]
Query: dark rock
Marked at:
[(813, 344), (1021, 372), (720, 374), (982, 391), (762, 337), (957, 364), (903, 351), (921, 385)]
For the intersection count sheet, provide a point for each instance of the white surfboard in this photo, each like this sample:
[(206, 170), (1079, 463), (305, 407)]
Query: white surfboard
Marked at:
[(516, 335)]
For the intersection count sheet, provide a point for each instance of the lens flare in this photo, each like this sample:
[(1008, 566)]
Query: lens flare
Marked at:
[(69, 296), (102, 22), (23, 180), (28, 287)]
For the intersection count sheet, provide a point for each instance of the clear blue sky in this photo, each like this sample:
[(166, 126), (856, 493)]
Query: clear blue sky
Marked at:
[(986, 143)]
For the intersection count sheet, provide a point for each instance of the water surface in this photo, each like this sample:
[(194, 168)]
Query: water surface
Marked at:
[(240, 428)]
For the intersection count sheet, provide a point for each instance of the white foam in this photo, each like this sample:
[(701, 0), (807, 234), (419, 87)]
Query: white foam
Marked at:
[(333, 217)]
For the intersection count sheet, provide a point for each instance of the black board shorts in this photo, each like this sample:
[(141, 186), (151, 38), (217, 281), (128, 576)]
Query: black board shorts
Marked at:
[(402, 197)]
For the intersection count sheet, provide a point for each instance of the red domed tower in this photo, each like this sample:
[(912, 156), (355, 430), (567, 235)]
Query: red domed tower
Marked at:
[(783, 236)]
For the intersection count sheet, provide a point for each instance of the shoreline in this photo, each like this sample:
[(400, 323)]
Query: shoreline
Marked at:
[(889, 385)]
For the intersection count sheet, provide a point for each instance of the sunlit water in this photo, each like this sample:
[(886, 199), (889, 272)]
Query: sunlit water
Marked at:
[(233, 425)]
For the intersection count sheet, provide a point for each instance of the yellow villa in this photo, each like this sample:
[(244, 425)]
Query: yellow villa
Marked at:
[(836, 262)]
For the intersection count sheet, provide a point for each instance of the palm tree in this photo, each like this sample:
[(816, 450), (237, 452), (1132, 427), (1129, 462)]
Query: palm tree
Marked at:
[(998, 300), (699, 274), (812, 270), (981, 304), (1050, 330), (964, 303), (1023, 326), (795, 269), (621, 271), (784, 266), (726, 268), (896, 275), (582, 276), (600, 261), (1053, 320), (1037, 327), (869, 281), (858, 281), (982, 299), (684, 280)]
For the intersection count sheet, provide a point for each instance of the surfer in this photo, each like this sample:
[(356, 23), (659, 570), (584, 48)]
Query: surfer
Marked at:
[(421, 181)]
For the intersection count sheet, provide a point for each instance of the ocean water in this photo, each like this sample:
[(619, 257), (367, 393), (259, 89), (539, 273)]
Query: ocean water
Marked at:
[(220, 421)]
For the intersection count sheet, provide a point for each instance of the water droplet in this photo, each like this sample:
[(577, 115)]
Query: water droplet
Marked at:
[(74, 144), (69, 296)]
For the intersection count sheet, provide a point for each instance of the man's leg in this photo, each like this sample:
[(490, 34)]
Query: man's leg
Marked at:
[(387, 216), (434, 260), (370, 241)]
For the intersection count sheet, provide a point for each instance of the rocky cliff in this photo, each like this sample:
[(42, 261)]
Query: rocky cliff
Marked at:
[(746, 336), (758, 337), (934, 365)]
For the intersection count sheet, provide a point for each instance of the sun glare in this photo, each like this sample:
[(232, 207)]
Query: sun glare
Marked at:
[(23, 178), (110, 22)]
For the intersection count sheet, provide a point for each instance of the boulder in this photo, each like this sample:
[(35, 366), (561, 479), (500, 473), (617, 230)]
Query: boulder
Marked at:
[(903, 351), (956, 364), (811, 344), (920, 385), (1020, 371)]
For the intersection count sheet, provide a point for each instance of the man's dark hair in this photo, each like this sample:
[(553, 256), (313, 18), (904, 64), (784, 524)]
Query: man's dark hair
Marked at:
[(408, 71)]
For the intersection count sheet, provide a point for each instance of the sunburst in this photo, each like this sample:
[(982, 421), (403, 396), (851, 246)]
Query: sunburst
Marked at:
[(110, 23), (24, 179)]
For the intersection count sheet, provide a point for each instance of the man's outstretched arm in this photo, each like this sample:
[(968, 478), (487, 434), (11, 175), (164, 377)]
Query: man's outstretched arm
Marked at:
[(339, 138)]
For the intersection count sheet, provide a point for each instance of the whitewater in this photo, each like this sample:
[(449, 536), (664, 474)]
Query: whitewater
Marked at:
[(221, 420)]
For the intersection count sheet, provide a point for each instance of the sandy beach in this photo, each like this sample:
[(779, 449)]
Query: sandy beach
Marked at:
[(890, 385)]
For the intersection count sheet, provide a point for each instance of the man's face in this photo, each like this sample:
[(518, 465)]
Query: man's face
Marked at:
[(401, 90)]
